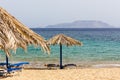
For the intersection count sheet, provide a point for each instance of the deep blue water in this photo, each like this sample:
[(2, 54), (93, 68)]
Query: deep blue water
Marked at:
[(99, 45)]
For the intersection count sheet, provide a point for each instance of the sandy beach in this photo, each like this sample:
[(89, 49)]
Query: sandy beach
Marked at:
[(68, 74)]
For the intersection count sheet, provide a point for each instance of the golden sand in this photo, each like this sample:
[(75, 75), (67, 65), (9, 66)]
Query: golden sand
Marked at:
[(68, 74)]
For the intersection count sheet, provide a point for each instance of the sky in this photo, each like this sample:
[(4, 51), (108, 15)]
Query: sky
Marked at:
[(40, 13)]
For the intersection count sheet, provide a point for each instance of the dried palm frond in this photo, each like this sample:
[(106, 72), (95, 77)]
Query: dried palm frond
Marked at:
[(14, 34), (64, 40)]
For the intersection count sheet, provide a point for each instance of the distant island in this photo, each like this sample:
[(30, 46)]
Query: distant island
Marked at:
[(82, 24)]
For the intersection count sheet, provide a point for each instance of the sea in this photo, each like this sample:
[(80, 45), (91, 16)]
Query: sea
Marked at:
[(101, 47)]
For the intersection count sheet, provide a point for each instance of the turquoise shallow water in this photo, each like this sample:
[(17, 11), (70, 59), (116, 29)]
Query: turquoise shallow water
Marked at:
[(99, 46)]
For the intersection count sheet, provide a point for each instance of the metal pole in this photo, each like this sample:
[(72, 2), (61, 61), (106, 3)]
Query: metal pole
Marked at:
[(7, 61), (61, 67)]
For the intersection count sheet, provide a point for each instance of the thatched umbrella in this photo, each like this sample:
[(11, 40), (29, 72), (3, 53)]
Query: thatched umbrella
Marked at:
[(14, 34), (62, 39)]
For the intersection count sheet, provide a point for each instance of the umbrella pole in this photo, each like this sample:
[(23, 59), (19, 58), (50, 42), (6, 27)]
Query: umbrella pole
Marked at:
[(7, 61), (61, 67)]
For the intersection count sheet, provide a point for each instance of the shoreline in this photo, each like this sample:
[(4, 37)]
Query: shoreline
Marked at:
[(74, 65), (85, 64)]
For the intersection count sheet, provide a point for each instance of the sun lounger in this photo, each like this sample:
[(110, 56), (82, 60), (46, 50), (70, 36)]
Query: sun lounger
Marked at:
[(3, 72), (18, 64), (13, 67), (10, 70), (16, 67), (70, 66), (67, 65), (52, 66), (3, 64)]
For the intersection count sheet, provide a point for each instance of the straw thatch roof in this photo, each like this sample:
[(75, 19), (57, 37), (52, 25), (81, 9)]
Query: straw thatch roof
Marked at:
[(14, 34), (64, 40)]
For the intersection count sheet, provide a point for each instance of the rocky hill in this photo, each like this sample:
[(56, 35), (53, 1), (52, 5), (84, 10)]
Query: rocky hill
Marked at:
[(82, 24)]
